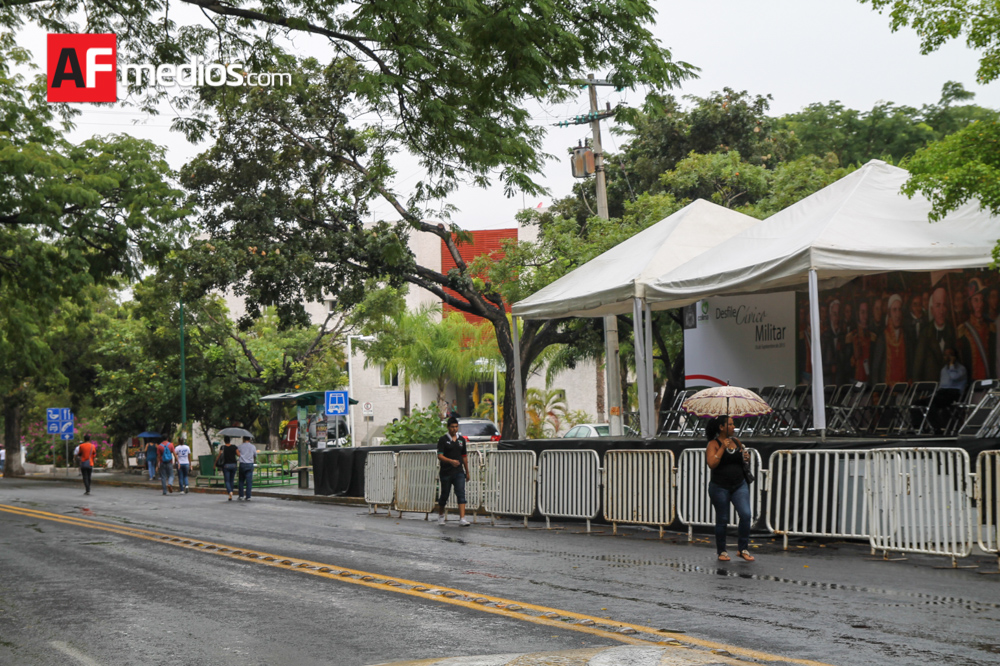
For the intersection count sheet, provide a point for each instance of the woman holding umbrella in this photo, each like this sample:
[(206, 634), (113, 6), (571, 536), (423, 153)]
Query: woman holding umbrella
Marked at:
[(227, 459), (726, 456)]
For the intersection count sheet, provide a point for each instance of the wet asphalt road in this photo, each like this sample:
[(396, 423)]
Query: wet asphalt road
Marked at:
[(73, 595)]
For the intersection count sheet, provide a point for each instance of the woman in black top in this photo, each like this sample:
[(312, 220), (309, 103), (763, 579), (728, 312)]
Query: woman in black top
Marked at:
[(725, 455), (229, 453)]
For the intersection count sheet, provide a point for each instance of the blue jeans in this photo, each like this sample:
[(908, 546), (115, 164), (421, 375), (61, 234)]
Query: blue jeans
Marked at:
[(182, 475), (166, 475), (229, 474), (447, 482), (151, 465), (246, 477), (721, 499)]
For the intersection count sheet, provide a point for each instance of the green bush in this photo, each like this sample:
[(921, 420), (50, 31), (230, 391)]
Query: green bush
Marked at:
[(422, 426)]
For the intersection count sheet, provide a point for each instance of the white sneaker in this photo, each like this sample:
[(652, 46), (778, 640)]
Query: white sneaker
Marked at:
[(464, 523), (441, 519)]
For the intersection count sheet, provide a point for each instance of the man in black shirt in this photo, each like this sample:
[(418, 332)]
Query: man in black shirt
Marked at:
[(452, 454)]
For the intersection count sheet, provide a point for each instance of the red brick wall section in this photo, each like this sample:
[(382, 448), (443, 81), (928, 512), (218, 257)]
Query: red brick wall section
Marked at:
[(483, 242)]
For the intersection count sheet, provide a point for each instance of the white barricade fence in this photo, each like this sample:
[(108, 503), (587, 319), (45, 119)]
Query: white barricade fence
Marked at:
[(380, 480), (473, 485), (988, 500), (639, 487), (920, 501), (693, 504), (509, 487), (416, 481), (569, 484), (817, 493)]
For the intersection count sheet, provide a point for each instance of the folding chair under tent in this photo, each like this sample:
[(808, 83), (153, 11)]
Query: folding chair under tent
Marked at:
[(613, 283)]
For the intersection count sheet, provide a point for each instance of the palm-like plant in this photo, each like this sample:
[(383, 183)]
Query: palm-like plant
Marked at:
[(545, 410), (421, 346)]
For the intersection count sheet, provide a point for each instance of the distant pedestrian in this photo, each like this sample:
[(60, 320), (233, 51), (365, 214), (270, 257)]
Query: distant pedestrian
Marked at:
[(228, 455), (248, 456), (87, 452), (151, 459), (165, 457), (725, 456), (183, 466), (453, 452), (3, 459)]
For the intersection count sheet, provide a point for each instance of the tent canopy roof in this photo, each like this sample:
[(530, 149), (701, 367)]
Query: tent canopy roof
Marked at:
[(859, 225), (607, 284)]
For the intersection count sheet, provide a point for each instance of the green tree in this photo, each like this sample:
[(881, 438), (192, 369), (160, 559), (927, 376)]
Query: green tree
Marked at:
[(937, 22), (70, 216), (545, 412), (962, 166), (421, 345)]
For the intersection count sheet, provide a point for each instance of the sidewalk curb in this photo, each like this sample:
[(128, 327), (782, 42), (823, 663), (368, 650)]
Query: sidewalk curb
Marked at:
[(150, 485)]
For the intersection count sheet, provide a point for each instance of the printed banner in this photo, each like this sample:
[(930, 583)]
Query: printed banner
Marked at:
[(747, 341)]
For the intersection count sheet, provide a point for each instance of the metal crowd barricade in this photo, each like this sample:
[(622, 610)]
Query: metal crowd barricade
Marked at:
[(380, 480), (473, 486), (416, 481), (920, 501), (569, 484), (693, 504), (988, 501), (817, 493), (638, 488), (509, 487)]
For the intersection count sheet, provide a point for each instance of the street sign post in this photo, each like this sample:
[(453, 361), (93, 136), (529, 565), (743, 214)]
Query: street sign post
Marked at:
[(336, 403), (59, 421), (368, 409)]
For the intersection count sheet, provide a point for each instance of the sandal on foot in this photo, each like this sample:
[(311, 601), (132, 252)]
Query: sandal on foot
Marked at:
[(723, 556), (745, 554)]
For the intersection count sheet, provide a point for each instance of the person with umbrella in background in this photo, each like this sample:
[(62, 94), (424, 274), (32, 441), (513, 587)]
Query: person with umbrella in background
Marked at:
[(228, 456)]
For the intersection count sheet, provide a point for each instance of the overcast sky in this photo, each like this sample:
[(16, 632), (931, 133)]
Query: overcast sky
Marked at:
[(799, 52)]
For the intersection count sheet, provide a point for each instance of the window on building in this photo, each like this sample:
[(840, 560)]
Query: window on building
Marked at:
[(386, 378)]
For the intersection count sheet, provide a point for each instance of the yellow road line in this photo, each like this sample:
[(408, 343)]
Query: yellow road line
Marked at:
[(547, 616)]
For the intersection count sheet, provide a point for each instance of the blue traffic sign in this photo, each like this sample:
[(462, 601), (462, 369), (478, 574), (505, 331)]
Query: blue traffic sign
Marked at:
[(68, 435), (336, 403), (58, 414), (52, 427)]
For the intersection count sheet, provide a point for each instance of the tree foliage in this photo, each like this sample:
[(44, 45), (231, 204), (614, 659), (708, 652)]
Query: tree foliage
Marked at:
[(937, 22)]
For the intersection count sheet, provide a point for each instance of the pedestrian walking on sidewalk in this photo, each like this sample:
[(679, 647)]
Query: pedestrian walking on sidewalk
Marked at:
[(248, 456), (151, 459), (228, 455), (453, 453), (725, 456), (87, 452), (183, 466), (166, 456)]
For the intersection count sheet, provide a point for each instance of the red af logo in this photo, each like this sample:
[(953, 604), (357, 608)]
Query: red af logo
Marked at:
[(82, 68)]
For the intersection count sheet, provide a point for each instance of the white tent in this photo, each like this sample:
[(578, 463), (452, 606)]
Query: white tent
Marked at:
[(613, 283), (608, 283), (859, 225)]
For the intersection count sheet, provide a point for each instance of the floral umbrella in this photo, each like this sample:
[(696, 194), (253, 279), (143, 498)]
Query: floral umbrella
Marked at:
[(726, 401)]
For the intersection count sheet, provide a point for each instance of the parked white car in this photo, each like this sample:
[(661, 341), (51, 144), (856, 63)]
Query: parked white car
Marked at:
[(596, 430)]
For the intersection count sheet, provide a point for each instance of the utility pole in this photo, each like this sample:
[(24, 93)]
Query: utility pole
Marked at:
[(611, 359), (183, 380)]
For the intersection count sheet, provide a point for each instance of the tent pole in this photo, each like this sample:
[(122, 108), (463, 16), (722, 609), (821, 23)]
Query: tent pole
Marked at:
[(818, 397), (653, 418), (639, 343), (612, 366), (518, 385)]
